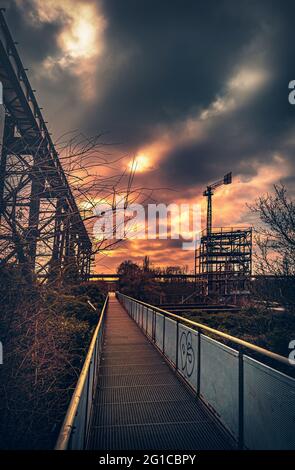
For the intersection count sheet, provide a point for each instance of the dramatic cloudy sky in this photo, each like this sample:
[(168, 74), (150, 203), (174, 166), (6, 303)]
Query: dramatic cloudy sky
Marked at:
[(196, 88)]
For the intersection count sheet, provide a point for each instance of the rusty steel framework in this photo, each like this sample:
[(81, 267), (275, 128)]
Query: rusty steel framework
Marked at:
[(40, 223), (224, 260)]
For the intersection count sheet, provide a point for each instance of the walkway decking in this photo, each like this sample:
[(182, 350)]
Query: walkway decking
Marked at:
[(140, 403)]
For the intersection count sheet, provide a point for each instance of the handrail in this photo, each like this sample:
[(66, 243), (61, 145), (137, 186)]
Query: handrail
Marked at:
[(233, 339), (67, 427), (242, 393)]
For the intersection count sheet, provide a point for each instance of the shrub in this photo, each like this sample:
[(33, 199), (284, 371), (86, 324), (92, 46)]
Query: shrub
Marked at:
[(45, 334)]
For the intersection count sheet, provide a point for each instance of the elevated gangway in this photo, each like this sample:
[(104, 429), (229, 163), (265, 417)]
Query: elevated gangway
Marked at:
[(154, 380)]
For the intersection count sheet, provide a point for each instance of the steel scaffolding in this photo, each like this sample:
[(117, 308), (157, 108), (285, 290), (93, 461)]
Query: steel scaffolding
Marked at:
[(224, 259)]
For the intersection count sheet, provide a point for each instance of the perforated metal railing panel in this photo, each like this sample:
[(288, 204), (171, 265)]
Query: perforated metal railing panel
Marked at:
[(140, 402)]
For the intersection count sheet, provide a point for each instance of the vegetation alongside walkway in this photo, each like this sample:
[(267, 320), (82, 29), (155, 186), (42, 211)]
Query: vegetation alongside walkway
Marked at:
[(270, 329), (45, 333)]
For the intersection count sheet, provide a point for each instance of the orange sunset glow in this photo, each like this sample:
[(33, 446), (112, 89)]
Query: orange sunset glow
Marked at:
[(173, 130)]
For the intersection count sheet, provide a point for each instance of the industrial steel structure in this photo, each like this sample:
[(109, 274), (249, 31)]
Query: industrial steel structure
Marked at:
[(223, 261), (41, 226)]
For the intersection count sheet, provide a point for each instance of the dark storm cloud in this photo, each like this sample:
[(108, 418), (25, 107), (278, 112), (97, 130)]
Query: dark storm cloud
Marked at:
[(36, 41), (256, 131), (173, 57), (164, 62), (234, 142)]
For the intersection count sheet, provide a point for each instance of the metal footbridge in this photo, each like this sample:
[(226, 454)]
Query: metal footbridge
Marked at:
[(153, 380)]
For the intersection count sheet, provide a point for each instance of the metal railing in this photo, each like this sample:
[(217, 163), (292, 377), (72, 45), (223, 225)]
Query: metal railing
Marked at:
[(254, 402), (74, 432)]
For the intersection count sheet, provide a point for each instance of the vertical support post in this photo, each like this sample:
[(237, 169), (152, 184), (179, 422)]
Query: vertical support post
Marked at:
[(83, 264), (250, 250), (34, 214), (241, 401), (164, 316), (72, 241), (79, 257), (177, 342), (146, 321), (67, 235), (86, 409), (195, 267), (154, 326), (56, 252), (94, 364), (88, 264), (57, 231), (142, 310), (199, 363), (209, 210), (8, 133), (209, 194)]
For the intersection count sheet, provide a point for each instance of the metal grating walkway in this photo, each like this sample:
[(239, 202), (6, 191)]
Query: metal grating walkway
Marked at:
[(140, 402)]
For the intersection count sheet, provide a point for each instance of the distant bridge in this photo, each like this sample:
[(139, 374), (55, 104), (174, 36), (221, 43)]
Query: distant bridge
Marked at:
[(191, 277), (116, 277)]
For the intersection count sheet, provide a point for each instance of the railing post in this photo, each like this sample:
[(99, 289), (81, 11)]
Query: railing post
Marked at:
[(241, 401), (177, 341), (86, 408), (199, 363), (94, 365), (146, 320), (141, 317), (164, 334), (154, 326)]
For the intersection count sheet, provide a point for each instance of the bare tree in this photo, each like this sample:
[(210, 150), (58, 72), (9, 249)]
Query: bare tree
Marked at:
[(34, 218), (275, 241)]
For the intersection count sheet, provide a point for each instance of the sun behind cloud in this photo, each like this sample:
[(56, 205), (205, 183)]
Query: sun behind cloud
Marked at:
[(82, 38), (81, 42), (140, 163)]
